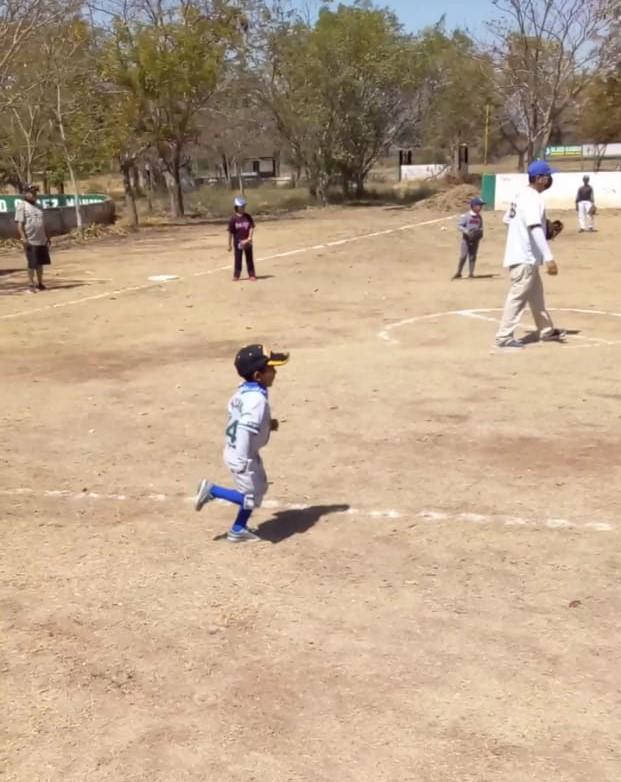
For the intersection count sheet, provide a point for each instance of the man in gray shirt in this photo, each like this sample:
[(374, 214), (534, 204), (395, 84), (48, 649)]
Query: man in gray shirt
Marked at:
[(31, 229)]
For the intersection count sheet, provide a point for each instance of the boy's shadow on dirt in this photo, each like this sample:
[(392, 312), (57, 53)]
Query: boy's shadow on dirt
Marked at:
[(285, 523)]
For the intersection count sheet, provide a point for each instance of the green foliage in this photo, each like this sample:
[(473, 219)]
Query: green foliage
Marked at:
[(459, 81), (81, 104), (341, 90), (367, 68), (167, 69), (56, 113), (601, 111)]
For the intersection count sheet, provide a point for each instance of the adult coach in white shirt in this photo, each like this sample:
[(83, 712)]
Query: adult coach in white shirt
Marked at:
[(526, 250)]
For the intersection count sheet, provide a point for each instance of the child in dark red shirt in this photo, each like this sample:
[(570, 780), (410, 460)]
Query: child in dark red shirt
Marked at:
[(241, 230)]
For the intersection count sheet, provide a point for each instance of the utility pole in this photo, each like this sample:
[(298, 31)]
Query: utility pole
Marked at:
[(486, 144)]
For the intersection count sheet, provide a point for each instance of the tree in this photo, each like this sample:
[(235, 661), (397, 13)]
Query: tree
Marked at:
[(53, 114), (292, 91), (601, 111), (368, 75), (126, 143), (169, 61), (545, 55), (341, 90), (459, 88), (25, 115), (236, 124), (78, 106), (20, 20), (25, 123)]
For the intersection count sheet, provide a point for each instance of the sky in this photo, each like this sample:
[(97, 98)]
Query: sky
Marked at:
[(415, 14)]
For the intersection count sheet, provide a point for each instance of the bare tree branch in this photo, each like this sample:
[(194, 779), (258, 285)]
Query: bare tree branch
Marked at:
[(545, 53)]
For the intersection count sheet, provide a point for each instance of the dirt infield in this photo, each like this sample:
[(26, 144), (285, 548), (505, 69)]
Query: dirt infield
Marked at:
[(436, 598)]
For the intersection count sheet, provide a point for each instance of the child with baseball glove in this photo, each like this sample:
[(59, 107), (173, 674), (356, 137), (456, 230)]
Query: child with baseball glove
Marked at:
[(471, 228)]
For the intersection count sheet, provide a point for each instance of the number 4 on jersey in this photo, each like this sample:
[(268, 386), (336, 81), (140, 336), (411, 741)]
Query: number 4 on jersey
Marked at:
[(231, 433)]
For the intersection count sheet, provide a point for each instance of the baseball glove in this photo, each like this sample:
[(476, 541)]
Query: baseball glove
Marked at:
[(592, 210), (553, 229), (474, 235)]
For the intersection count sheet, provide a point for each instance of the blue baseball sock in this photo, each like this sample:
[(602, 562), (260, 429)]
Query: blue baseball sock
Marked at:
[(230, 495), (242, 519)]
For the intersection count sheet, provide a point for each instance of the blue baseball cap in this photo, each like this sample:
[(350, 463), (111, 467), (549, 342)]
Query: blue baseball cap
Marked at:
[(477, 201), (540, 168)]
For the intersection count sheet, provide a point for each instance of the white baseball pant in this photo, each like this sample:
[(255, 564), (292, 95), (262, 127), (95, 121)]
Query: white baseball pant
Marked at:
[(585, 219)]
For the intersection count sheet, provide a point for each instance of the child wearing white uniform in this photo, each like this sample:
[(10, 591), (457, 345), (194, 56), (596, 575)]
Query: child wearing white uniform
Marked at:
[(248, 430), (585, 202)]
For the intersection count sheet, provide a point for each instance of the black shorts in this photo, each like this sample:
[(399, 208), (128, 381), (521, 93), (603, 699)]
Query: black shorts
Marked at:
[(37, 255)]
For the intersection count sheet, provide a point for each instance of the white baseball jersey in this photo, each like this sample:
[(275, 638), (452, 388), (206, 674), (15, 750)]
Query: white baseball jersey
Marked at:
[(249, 410), (527, 211), (510, 213)]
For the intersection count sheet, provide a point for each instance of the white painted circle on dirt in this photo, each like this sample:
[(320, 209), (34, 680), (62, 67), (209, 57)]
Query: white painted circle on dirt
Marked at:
[(486, 315)]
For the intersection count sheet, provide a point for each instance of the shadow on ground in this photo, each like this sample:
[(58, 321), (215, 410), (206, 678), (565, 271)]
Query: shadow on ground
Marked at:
[(533, 336), (285, 523), (259, 277), (17, 286)]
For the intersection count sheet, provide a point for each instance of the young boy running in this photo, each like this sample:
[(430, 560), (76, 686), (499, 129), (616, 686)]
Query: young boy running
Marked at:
[(248, 430), (241, 231), (471, 228)]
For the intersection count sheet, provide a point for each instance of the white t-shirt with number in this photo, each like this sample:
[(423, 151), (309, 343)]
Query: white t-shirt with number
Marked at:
[(249, 409), (526, 211)]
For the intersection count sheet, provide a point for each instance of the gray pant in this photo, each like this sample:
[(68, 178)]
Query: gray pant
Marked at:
[(468, 252), (526, 288)]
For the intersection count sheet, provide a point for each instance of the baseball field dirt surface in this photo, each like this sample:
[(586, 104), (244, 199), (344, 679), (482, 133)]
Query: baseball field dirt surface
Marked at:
[(436, 595)]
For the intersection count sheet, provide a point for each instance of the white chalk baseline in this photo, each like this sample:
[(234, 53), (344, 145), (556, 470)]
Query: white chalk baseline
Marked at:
[(423, 515), (206, 272)]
